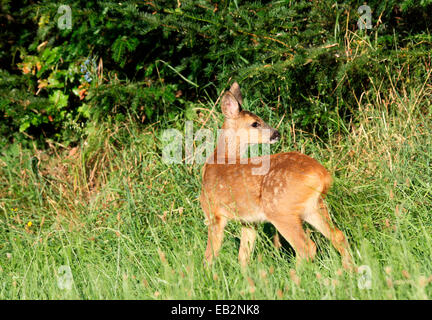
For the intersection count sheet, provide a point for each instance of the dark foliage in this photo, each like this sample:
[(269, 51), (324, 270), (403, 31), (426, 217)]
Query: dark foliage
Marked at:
[(145, 59)]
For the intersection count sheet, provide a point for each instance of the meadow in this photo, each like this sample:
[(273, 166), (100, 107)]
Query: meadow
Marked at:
[(88, 207), (126, 225)]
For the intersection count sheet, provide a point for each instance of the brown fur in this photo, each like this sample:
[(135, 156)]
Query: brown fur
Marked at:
[(290, 192)]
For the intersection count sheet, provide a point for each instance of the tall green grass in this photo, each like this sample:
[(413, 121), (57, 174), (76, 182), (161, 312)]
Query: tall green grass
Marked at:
[(130, 226)]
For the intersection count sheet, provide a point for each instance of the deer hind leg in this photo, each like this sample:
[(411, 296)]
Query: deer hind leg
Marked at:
[(248, 236), (319, 218), (216, 228), (276, 241), (291, 228)]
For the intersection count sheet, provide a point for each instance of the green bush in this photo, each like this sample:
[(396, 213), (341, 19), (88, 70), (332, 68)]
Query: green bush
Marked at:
[(145, 59)]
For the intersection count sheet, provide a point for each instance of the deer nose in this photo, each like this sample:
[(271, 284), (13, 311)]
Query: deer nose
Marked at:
[(275, 136)]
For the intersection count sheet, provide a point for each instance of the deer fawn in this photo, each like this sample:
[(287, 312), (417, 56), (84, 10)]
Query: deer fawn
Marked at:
[(290, 192)]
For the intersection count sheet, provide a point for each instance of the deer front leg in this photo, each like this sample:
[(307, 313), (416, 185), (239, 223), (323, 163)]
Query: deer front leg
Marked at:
[(247, 240), (216, 228)]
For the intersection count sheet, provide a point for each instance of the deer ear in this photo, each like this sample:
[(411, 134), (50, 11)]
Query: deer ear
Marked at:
[(235, 90), (230, 105)]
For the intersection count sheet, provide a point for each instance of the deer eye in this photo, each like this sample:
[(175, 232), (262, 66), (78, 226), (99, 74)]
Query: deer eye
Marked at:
[(255, 124)]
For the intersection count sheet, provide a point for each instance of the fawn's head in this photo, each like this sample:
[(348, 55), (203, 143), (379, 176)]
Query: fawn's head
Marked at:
[(247, 127)]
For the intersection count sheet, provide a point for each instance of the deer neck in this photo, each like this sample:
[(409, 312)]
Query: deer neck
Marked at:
[(228, 148)]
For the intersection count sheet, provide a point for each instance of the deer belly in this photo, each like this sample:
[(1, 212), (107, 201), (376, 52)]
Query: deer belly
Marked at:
[(256, 216), (234, 192), (243, 207)]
